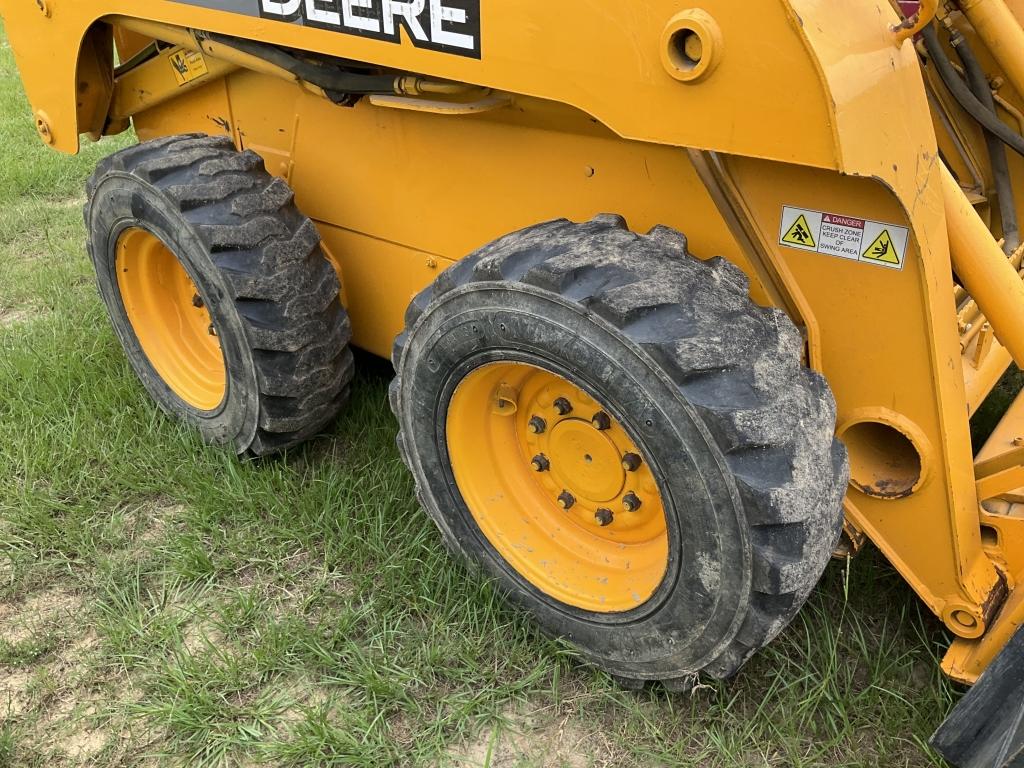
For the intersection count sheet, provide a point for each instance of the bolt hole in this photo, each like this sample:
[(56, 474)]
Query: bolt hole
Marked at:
[(686, 49), (964, 619), (588, 458)]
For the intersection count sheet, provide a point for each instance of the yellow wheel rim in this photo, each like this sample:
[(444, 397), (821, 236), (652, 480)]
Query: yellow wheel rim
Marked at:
[(558, 487), (170, 320)]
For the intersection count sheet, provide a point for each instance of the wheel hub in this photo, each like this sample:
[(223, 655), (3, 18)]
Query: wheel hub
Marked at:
[(585, 462), (170, 319), (558, 487)]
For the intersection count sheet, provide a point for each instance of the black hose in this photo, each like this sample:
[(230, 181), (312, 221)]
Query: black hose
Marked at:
[(331, 79), (978, 84), (963, 94)]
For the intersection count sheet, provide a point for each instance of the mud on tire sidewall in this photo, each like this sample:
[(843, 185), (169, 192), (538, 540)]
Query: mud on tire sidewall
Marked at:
[(698, 608), (122, 201)]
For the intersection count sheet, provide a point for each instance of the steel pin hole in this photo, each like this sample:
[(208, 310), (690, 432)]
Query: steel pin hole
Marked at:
[(888, 453), (688, 49), (691, 46)]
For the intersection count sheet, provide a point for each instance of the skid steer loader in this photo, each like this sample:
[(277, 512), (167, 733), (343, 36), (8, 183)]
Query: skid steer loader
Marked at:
[(738, 276)]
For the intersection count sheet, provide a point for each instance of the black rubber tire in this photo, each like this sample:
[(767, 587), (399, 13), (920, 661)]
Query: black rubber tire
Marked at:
[(257, 263), (710, 385)]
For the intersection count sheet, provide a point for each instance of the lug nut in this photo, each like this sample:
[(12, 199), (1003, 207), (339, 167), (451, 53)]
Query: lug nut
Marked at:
[(566, 500), (197, 301), (604, 517), (601, 421), (631, 462), (631, 502), (540, 463), (563, 407), (537, 425), (211, 330)]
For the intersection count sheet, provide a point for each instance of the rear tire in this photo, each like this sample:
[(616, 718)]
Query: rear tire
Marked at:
[(257, 356), (708, 386)]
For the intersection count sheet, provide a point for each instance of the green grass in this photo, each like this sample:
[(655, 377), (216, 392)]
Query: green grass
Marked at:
[(163, 603)]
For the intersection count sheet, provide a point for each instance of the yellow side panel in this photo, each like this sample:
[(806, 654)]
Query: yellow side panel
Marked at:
[(379, 277), (205, 110), (445, 186)]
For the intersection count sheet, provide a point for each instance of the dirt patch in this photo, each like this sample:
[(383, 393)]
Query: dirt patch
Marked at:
[(538, 739), (303, 693), (71, 202), (7, 571), (72, 731), (200, 636), (12, 317), (23, 620), (64, 680), (74, 735), (75, 722), (15, 696), (84, 744), (50, 685), (295, 586), (150, 521)]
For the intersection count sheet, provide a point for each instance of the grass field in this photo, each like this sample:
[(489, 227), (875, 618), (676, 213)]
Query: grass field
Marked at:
[(163, 603)]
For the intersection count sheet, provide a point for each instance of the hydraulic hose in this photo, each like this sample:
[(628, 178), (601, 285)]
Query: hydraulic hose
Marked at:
[(340, 85), (965, 97), (978, 84), (330, 79)]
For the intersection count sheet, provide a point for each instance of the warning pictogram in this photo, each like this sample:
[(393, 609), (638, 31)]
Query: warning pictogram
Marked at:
[(800, 234), (188, 66), (882, 250)]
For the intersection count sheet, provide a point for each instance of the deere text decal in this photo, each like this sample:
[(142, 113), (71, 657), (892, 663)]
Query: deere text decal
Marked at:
[(448, 26)]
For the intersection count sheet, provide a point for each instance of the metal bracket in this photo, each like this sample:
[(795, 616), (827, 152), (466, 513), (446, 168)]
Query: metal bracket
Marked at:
[(1000, 474)]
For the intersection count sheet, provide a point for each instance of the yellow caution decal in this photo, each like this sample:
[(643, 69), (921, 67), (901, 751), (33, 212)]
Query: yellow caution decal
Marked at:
[(800, 234), (882, 250), (187, 66), (852, 238)]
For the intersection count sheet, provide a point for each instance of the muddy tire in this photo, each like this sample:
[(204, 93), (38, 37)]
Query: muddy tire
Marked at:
[(708, 388), (218, 290)]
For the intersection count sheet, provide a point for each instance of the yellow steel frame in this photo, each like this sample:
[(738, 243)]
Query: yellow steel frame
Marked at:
[(590, 108)]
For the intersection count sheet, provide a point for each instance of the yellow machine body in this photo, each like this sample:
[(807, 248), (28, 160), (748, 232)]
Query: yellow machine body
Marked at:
[(738, 125)]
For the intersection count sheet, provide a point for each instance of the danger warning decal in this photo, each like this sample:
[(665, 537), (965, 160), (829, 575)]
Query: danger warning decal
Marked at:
[(869, 242), (448, 26)]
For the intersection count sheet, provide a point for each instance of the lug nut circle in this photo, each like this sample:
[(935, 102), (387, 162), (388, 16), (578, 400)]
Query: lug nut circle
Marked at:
[(564, 525), (587, 463)]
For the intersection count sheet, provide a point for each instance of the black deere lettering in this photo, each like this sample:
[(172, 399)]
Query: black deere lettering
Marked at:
[(449, 26)]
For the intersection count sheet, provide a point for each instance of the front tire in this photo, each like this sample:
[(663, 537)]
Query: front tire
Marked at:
[(219, 291), (665, 360)]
